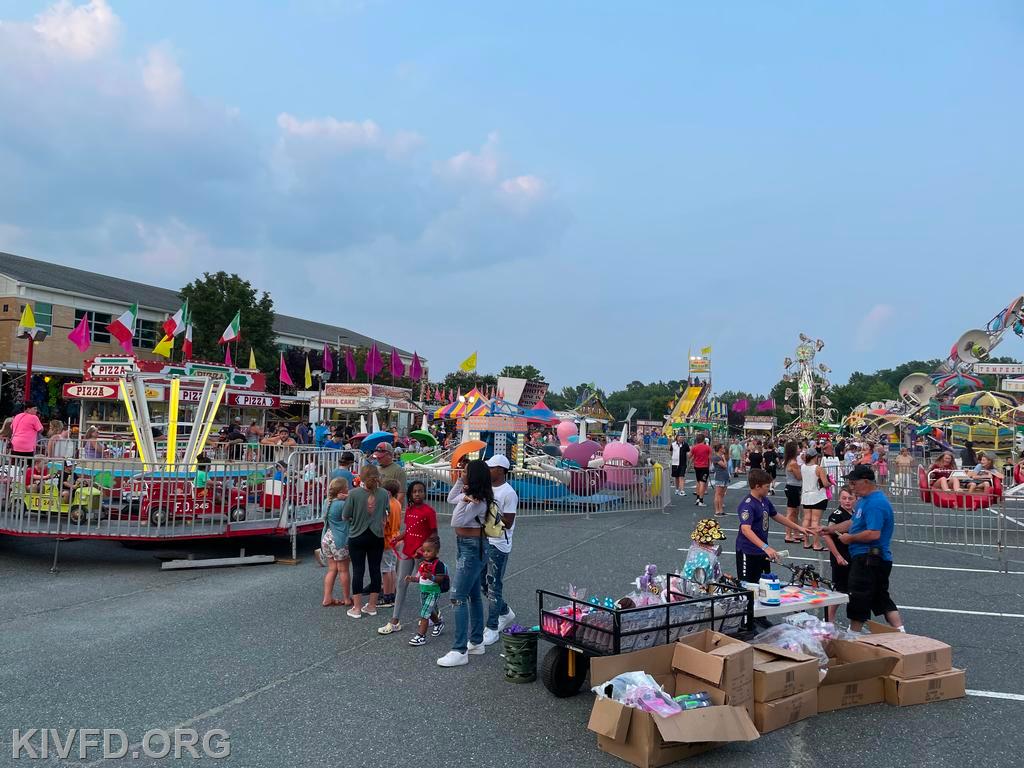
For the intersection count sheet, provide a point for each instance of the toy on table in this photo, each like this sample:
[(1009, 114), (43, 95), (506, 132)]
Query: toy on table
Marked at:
[(702, 566)]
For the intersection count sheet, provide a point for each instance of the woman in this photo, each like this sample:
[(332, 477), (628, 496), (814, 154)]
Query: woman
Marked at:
[(365, 510), (5, 434), (755, 456), (979, 478), (939, 472), (813, 496), (472, 498), (771, 463), (904, 470), (719, 476), (91, 448), (25, 429), (794, 486), (867, 455)]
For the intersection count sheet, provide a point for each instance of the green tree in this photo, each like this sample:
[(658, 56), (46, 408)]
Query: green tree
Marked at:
[(460, 380), (528, 372), (213, 301)]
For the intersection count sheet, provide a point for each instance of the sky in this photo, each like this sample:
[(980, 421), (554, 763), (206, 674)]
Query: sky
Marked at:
[(592, 188)]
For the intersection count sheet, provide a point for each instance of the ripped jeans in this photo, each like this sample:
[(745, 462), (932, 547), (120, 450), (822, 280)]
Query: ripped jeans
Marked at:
[(467, 602), (493, 578)]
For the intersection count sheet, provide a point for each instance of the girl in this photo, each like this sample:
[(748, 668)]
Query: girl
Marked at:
[(720, 477), (980, 477), (366, 509), (882, 467), (389, 561), (794, 486), (420, 525), (813, 497), (771, 464), (839, 553), (472, 498), (429, 573), (334, 545), (940, 471)]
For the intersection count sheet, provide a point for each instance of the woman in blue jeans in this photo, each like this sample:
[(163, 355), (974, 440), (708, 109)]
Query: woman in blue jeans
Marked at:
[(472, 497)]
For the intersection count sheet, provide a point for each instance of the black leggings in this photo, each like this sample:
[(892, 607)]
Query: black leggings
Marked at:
[(366, 546)]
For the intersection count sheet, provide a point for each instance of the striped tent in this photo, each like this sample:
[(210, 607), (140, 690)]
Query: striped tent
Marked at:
[(471, 404), (445, 411)]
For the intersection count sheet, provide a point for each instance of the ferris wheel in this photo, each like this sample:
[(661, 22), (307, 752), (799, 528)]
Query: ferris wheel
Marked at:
[(812, 404)]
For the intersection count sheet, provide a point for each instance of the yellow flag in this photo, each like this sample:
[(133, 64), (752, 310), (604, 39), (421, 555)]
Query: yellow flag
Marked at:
[(28, 319), (252, 359), (469, 364), (705, 350), (164, 347), (309, 376)]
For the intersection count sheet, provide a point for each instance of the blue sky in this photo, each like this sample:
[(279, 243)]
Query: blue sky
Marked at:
[(589, 187)]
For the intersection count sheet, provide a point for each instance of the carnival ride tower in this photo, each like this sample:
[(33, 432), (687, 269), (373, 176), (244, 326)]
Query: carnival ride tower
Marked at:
[(813, 405)]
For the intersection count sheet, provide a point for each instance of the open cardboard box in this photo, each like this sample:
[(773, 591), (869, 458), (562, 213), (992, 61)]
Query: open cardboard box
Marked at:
[(853, 678), (647, 740), (724, 662), (779, 673)]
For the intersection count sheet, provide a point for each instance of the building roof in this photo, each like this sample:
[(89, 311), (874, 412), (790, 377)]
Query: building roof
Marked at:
[(84, 283)]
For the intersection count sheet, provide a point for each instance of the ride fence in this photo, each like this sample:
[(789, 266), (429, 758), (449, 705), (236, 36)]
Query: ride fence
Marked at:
[(553, 491)]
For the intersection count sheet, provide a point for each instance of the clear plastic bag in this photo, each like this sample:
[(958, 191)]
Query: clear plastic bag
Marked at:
[(794, 639), (640, 691)]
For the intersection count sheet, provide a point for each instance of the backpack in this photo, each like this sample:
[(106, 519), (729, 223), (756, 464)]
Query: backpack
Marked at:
[(494, 526), (445, 583)]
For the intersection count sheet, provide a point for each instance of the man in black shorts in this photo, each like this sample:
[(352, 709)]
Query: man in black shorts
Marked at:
[(701, 466), (679, 451)]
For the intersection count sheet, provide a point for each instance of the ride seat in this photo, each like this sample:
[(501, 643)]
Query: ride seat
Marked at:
[(922, 484)]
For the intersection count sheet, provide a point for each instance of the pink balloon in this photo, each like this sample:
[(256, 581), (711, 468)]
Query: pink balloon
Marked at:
[(565, 430), (624, 452), (581, 453)]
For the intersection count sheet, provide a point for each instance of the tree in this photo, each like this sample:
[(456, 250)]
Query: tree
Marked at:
[(463, 381), (528, 372), (213, 301)]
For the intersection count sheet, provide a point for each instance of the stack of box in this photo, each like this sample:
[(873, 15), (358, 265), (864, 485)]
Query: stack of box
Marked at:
[(923, 670), (785, 687), (852, 678)]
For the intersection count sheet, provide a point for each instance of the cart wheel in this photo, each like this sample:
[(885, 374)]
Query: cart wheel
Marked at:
[(554, 672), (77, 515), (157, 516), (237, 515)]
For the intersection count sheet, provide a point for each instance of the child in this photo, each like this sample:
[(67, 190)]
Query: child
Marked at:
[(334, 545), (430, 574), (37, 475), (752, 550), (719, 477), (839, 553), (420, 525), (389, 561), (882, 465)]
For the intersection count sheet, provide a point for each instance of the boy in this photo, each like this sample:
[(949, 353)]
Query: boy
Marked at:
[(752, 550), (430, 575), (839, 553), (389, 561)]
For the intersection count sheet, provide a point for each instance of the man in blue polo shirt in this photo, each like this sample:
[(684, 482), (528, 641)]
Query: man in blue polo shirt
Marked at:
[(868, 535)]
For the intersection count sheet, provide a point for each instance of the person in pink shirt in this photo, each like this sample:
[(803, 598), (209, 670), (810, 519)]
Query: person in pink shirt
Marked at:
[(25, 431)]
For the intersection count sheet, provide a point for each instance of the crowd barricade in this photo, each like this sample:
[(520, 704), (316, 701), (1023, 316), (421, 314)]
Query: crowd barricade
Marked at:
[(549, 490)]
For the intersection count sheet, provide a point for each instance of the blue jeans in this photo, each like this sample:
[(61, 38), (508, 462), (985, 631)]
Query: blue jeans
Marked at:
[(494, 576), (467, 602)]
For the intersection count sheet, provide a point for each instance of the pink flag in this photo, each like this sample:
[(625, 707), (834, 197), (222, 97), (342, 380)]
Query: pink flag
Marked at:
[(328, 363), (397, 366), (766, 405), (283, 375), (374, 362), (81, 337), (350, 365), (415, 369), (227, 355), (740, 406)]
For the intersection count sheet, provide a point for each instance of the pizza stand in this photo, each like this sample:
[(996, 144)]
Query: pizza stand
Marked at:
[(103, 407)]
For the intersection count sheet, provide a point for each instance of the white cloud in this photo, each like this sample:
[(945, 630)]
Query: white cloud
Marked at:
[(348, 135), (161, 75), (873, 325), (479, 166), (81, 31)]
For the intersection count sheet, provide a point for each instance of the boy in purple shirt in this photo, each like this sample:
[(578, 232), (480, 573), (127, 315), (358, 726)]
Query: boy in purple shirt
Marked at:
[(752, 550)]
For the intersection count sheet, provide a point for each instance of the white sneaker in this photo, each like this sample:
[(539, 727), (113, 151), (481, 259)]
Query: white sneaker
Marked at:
[(318, 555), (453, 659), (504, 621), (490, 636), (682, 493), (352, 613), (476, 650)]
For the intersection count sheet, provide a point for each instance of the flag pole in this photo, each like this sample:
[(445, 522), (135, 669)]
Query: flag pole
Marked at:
[(28, 369)]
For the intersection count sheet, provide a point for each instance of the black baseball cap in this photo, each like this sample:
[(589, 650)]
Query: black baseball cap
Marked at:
[(861, 472)]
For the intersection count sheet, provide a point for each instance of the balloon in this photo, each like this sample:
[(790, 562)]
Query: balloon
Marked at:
[(624, 452), (581, 453), (565, 430)]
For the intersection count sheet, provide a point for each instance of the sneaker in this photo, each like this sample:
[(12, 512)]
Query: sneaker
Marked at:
[(453, 659), (701, 504), (417, 640), (437, 629), (682, 493), (368, 612), (352, 613), (490, 636), (476, 650), (505, 620), (386, 601), (318, 555), (391, 626)]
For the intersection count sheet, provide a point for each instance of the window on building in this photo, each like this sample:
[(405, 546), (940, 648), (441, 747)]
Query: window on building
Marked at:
[(146, 334), (98, 323), (44, 316)]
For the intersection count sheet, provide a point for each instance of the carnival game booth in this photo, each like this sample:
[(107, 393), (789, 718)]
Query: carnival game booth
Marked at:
[(177, 487), (345, 403)]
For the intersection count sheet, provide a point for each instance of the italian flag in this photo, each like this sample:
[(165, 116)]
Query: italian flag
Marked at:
[(123, 328), (175, 324), (233, 331), (186, 348)]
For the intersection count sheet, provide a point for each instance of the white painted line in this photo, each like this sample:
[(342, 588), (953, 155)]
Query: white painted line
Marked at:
[(997, 695), (967, 613), (929, 567), (894, 541)]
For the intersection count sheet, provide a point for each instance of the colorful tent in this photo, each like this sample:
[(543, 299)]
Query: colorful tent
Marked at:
[(470, 404), (541, 414), (986, 399)]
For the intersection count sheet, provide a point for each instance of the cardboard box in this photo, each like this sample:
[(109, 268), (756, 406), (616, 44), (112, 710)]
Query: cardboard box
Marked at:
[(853, 678), (724, 662), (779, 673), (772, 715), (915, 655), (904, 692), (648, 741)]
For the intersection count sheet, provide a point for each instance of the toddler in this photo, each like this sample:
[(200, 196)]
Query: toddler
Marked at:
[(431, 573), (334, 545)]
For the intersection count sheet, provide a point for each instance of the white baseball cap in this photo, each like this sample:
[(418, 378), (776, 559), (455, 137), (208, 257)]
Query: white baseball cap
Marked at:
[(497, 460)]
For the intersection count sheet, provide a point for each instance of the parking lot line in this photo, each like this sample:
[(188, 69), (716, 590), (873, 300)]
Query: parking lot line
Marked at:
[(968, 613), (997, 695), (931, 567)]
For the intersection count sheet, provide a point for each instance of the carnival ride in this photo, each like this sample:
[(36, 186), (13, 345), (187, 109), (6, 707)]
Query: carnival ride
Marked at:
[(813, 405)]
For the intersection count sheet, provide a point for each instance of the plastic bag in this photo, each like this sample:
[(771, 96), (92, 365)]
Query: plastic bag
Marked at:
[(639, 691), (804, 633)]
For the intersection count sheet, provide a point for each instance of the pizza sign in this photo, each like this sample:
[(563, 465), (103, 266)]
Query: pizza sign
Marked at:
[(90, 391), (111, 370), (253, 401)]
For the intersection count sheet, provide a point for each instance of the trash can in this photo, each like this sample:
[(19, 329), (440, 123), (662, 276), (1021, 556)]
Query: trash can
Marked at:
[(520, 656)]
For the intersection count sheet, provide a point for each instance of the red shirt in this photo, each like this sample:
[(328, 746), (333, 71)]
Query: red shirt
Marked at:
[(420, 522), (700, 454)]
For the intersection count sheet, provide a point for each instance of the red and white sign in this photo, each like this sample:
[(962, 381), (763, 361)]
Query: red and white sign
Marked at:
[(90, 391), (998, 369), (240, 400)]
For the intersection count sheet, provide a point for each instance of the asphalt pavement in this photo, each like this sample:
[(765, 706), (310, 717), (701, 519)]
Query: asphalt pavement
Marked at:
[(111, 641)]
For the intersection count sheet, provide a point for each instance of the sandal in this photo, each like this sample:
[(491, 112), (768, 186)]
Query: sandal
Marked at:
[(390, 627), (332, 604), (819, 549)]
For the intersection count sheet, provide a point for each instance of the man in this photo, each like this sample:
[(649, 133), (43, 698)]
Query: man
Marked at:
[(701, 466), (384, 453), (868, 535), (304, 433), (344, 469), (499, 615), (281, 437), (679, 450), (735, 457)]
